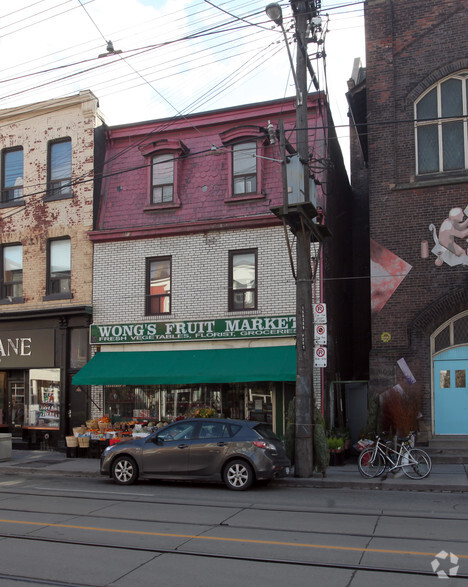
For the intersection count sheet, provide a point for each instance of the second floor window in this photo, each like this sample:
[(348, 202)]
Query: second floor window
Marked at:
[(162, 184), (441, 127), (158, 285), (243, 280), (12, 271), (244, 168), (59, 266), (12, 177), (60, 169)]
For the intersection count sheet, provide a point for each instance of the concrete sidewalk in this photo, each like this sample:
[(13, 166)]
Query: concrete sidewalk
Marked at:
[(444, 477)]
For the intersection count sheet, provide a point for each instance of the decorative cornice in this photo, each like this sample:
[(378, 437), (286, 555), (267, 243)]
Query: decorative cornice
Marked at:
[(120, 234)]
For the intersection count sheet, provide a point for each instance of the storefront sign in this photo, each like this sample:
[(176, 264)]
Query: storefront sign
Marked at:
[(22, 349), (219, 329)]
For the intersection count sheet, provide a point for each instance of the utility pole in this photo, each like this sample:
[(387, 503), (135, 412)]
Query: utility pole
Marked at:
[(304, 315), (299, 216)]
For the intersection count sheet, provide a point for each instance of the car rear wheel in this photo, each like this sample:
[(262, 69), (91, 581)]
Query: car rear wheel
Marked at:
[(124, 470), (238, 475)]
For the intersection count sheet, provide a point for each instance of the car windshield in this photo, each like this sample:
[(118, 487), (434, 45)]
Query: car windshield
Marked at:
[(265, 432)]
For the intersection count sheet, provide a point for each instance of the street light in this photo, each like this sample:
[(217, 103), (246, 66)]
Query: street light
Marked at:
[(275, 14)]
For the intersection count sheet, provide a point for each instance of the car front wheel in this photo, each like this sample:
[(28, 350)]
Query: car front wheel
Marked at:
[(238, 475), (124, 470)]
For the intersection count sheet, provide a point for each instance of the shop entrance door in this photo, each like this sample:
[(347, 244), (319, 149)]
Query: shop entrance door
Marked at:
[(16, 406), (451, 391)]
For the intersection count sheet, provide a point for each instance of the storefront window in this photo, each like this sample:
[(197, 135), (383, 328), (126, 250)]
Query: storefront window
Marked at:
[(160, 403), (44, 398), (166, 403)]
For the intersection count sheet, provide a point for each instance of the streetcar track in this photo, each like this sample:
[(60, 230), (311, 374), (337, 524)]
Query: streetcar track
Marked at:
[(72, 515), (242, 558), (463, 516)]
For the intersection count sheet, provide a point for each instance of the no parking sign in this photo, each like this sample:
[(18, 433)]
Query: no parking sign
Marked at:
[(320, 313), (320, 356), (320, 334)]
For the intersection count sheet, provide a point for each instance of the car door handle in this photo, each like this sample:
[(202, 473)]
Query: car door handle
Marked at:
[(182, 446), (220, 444)]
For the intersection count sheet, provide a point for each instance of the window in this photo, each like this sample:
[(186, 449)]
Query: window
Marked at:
[(60, 169), (243, 280), (244, 168), (181, 431), (213, 430), (158, 286), (59, 267), (441, 127), (162, 186), (165, 166), (12, 177), (12, 272)]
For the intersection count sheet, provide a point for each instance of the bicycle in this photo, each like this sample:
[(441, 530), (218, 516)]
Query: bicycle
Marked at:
[(415, 463)]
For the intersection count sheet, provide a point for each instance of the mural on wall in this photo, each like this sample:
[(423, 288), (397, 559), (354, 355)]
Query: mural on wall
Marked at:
[(387, 272), (447, 249)]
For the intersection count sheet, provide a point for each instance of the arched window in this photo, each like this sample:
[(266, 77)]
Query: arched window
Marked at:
[(164, 156), (452, 333), (441, 115), (245, 146)]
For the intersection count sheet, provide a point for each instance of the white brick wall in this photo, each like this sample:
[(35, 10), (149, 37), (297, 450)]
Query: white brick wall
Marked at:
[(199, 275)]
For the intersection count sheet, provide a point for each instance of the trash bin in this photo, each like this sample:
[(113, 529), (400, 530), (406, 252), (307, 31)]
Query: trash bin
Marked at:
[(5, 447)]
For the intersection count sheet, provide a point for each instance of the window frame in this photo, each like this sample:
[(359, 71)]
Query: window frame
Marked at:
[(65, 191), (165, 157), (239, 136), (178, 150), (5, 297), (148, 296), (50, 281), (441, 123), (232, 291), (237, 147), (15, 201)]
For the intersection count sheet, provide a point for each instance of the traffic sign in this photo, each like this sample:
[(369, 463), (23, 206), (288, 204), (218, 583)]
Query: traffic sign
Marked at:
[(320, 334), (320, 356), (320, 313)]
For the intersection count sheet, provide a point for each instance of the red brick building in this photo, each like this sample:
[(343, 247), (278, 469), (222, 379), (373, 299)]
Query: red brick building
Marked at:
[(410, 158)]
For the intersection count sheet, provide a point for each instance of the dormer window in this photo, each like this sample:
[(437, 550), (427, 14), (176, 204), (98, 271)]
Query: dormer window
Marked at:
[(162, 188), (165, 160), (244, 168), (245, 146)]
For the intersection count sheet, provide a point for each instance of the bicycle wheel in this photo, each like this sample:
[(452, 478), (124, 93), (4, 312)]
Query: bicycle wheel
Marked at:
[(416, 464), (371, 463)]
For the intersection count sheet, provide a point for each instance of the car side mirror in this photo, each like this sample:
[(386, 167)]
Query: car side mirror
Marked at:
[(158, 440)]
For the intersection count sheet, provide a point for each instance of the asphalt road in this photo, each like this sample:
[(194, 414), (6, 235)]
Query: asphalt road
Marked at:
[(81, 531)]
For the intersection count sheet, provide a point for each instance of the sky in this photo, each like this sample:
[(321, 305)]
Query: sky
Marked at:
[(172, 57)]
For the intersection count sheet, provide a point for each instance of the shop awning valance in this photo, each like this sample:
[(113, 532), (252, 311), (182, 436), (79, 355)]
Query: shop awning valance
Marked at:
[(185, 367)]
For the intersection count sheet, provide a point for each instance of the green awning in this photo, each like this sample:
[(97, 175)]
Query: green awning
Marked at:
[(185, 367)]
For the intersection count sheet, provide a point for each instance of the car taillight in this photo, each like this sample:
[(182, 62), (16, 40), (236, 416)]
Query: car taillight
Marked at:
[(263, 444)]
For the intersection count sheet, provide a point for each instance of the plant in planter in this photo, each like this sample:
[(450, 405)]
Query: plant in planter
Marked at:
[(336, 448), (345, 435)]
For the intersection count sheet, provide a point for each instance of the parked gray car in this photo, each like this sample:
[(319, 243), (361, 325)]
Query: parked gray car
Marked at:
[(237, 452)]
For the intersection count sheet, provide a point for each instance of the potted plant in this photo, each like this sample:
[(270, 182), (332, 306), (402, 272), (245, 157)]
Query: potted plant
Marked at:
[(336, 448)]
